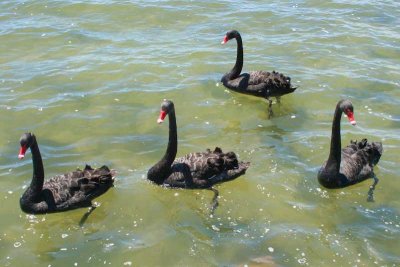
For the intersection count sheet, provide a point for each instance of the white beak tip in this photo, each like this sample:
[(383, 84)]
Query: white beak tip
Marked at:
[(353, 122), (21, 156)]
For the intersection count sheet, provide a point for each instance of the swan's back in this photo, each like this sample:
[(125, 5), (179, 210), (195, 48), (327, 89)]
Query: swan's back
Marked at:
[(277, 83), (203, 169), (359, 158), (78, 188), (261, 83)]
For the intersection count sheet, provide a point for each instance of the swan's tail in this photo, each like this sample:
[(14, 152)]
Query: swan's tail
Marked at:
[(102, 175), (281, 83), (371, 151), (377, 150)]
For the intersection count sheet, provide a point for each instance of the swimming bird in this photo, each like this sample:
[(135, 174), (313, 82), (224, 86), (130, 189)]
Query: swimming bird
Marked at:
[(258, 83), (63, 192), (352, 164), (194, 170)]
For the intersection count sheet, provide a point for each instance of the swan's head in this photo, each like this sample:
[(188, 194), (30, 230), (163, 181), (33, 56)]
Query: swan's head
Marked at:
[(347, 107), (166, 107), (26, 141), (230, 35)]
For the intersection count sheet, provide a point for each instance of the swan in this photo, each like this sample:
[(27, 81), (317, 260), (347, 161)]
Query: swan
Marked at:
[(194, 170), (258, 83), (352, 164), (63, 192)]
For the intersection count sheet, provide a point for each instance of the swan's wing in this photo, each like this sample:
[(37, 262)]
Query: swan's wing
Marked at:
[(359, 158), (355, 146), (208, 168), (201, 162), (230, 174), (350, 149), (77, 200), (180, 176), (272, 83), (241, 84), (63, 186), (261, 83), (79, 186), (356, 166)]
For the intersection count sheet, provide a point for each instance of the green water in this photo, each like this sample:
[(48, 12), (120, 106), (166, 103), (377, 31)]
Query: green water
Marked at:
[(88, 77)]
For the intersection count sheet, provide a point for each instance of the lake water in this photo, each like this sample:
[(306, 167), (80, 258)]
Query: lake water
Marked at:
[(88, 77)]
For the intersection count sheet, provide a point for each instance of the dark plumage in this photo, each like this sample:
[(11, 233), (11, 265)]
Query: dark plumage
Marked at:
[(62, 192), (353, 163), (204, 169), (258, 83), (194, 170)]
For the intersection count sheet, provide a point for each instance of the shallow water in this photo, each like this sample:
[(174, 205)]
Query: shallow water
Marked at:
[(88, 77)]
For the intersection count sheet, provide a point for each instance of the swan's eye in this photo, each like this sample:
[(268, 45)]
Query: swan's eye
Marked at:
[(347, 111)]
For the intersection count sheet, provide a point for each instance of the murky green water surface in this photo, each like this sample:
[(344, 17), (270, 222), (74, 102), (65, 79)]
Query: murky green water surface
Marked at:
[(88, 77)]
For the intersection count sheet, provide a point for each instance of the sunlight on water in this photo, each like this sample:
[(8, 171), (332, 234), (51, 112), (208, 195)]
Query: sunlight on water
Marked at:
[(88, 77)]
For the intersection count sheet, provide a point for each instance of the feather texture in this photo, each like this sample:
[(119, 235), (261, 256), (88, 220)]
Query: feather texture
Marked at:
[(258, 83), (68, 191), (204, 169), (194, 170), (351, 164)]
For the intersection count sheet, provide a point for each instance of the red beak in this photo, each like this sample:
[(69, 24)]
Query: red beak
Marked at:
[(162, 116), (350, 116), (22, 152), (225, 40)]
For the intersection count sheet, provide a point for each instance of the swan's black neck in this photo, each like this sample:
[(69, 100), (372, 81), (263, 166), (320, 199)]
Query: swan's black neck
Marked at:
[(38, 171), (162, 169), (172, 148), (237, 69), (335, 153)]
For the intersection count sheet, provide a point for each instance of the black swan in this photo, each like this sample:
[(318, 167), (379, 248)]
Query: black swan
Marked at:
[(353, 163), (258, 83), (194, 170), (62, 192)]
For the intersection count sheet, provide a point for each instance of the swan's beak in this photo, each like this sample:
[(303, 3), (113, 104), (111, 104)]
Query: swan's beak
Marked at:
[(22, 152), (350, 116), (161, 117), (225, 40)]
